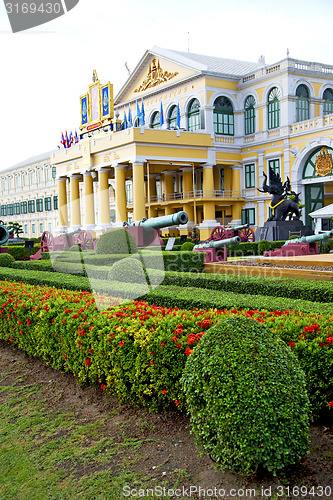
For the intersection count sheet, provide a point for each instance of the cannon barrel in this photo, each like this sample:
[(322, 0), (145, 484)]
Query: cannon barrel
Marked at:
[(72, 232), (310, 239), (164, 221), (4, 234), (238, 228), (218, 244)]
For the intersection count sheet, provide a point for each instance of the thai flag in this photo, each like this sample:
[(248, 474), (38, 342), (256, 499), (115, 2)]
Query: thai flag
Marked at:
[(76, 138), (62, 141), (70, 139), (66, 140)]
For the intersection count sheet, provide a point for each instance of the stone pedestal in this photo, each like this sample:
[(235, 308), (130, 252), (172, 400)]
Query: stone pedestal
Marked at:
[(278, 230)]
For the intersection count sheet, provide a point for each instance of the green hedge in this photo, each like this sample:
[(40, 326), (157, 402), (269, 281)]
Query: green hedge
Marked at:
[(173, 261), (21, 253), (190, 298), (168, 296), (322, 291), (139, 351)]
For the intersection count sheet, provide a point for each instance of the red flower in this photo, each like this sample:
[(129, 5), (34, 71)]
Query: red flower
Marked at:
[(174, 339), (103, 386), (321, 344), (234, 311), (164, 391), (121, 342), (87, 362), (91, 351), (330, 404), (162, 344), (188, 352), (291, 343), (329, 340), (176, 402)]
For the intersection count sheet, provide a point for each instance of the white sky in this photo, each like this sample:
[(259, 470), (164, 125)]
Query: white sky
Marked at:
[(44, 70)]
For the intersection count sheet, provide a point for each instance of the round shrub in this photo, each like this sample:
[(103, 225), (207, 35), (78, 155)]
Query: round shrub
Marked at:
[(6, 260), (116, 241), (264, 246), (128, 270), (247, 398), (187, 246)]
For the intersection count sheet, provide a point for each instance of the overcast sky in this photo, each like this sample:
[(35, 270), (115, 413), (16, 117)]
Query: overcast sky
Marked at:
[(44, 70)]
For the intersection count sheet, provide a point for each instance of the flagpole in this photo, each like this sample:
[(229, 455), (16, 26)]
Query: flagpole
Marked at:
[(148, 190), (194, 201)]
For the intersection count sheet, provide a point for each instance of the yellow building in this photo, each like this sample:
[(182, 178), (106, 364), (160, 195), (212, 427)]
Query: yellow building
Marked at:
[(29, 195), (224, 123)]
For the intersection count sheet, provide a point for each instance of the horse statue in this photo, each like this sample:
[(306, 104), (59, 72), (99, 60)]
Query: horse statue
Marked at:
[(281, 206)]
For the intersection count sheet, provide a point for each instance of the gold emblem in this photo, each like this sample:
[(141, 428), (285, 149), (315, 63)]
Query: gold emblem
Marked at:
[(323, 162), (156, 75)]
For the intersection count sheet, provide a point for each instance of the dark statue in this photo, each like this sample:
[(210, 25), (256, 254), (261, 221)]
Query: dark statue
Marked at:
[(281, 206)]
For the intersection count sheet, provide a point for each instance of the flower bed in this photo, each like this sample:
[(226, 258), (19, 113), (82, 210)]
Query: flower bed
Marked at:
[(138, 351)]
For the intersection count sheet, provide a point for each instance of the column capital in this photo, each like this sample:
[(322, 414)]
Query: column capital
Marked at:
[(119, 166), (62, 179), (103, 169), (168, 172), (187, 169), (138, 162), (207, 165), (75, 176)]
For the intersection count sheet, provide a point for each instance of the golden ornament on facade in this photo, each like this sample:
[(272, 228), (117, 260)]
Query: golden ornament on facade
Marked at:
[(156, 75), (323, 162)]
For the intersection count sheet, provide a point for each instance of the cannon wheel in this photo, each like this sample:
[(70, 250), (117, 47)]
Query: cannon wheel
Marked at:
[(46, 242), (246, 234), (218, 234), (84, 239)]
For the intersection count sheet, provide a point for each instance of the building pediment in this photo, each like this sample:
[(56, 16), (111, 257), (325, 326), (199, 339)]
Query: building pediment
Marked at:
[(156, 71)]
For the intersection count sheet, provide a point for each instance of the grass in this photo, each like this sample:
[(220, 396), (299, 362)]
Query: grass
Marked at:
[(52, 454)]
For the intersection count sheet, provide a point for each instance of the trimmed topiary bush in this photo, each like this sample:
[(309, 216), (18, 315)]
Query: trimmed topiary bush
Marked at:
[(264, 246), (116, 241), (129, 270), (247, 397), (187, 246), (6, 260)]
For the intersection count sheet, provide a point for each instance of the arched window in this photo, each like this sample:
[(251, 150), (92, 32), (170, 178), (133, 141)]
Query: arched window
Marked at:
[(172, 117), (328, 101), (250, 116), (302, 103), (155, 120), (274, 108), (193, 115), (223, 116)]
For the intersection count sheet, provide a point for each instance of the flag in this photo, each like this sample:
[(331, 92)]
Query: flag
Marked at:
[(130, 122), (125, 124), (178, 116), (142, 114), (76, 138), (62, 141), (70, 139), (66, 140), (138, 112), (161, 116)]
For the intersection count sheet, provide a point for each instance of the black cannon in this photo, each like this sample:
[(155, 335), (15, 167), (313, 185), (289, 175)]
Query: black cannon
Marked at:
[(216, 251), (4, 236)]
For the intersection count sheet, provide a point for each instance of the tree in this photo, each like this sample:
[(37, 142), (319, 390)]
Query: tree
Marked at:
[(18, 228)]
